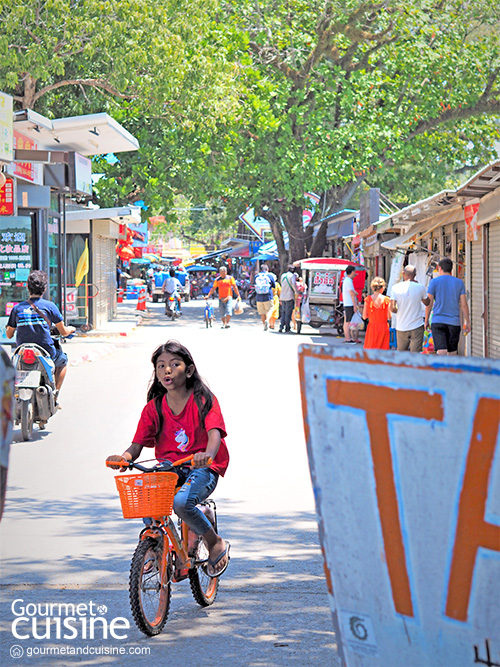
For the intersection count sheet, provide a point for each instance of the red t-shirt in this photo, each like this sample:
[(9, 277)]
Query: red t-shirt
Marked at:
[(182, 434)]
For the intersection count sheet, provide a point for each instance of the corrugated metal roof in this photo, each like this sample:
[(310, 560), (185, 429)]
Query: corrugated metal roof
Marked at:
[(481, 183)]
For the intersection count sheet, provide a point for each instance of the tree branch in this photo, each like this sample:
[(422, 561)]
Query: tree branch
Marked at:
[(482, 106), (93, 83)]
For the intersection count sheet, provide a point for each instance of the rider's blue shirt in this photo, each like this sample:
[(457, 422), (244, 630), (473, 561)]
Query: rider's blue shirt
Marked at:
[(31, 327)]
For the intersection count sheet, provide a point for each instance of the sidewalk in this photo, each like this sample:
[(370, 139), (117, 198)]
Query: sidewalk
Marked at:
[(99, 343)]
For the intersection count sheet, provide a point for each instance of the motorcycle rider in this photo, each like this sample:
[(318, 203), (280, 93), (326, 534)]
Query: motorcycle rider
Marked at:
[(172, 287), (31, 319)]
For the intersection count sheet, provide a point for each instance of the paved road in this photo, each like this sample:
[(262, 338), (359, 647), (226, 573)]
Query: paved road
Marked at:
[(64, 541)]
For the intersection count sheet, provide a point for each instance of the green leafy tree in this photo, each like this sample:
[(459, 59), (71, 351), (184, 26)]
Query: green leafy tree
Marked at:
[(87, 55), (205, 224), (341, 92)]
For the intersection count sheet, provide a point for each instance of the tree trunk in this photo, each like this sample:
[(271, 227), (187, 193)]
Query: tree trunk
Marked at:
[(277, 230), (337, 199), (292, 219)]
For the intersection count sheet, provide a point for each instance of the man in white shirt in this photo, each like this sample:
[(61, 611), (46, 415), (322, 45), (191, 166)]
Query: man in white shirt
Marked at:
[(407, 299), (350, 302), (287, 298)]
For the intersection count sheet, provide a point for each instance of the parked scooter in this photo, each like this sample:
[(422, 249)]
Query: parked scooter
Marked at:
[(34, 388)]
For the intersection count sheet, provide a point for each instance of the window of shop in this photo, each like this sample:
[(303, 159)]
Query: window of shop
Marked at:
[(16, 258), (53, 268)]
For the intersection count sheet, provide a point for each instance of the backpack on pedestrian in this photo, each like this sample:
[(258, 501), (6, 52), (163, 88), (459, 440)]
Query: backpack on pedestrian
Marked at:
[(262, 283)]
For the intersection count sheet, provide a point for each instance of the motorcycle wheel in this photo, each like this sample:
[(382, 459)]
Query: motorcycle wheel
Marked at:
[(27, 419), (253, 301)]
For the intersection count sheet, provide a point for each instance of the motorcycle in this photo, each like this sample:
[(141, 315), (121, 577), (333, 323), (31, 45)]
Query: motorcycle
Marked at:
[(252, 297), (196, 288), (172, 307), (34, 398)]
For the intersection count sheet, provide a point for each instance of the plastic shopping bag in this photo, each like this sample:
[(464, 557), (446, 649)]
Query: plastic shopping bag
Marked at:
[(428, 346), (356, 321), (305, 312)]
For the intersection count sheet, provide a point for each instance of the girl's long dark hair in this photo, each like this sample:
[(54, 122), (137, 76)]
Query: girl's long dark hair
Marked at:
[(202, 395)]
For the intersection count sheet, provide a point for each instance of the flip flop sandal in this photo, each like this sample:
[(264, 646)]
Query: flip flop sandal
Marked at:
[(213, 563)]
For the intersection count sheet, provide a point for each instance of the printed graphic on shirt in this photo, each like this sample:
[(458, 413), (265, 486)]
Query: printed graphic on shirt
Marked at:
[(28, 317), (181, 438)]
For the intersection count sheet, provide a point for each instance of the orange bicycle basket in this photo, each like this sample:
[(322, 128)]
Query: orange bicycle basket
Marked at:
[(146, 495)]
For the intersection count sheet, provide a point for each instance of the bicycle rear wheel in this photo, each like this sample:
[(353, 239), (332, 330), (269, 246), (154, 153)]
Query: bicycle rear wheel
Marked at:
[(149, 598), (203, 587)]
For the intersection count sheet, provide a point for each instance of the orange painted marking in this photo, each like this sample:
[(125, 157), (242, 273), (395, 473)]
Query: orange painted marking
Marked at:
[(377, 402), (472, 530)]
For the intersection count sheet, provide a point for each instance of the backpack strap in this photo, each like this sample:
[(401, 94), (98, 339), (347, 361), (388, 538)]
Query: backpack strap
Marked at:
[(39, 312)]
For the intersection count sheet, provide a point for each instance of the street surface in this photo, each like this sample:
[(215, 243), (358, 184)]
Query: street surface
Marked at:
[(63, 538)]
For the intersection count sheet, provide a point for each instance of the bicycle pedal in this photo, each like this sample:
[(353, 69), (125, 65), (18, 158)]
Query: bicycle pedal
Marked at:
[(180, 575)]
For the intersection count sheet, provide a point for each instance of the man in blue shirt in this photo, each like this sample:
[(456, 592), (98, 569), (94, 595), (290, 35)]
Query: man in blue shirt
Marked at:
[(447, 297), (31, 320)]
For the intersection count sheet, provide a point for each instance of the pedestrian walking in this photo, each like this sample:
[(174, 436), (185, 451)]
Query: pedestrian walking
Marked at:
[(377, 310), (183, 417), (225, 286), (264, 284), (300, 295), (408, 299), (287, 298), (350, 301), (448, 304), (274, 313)]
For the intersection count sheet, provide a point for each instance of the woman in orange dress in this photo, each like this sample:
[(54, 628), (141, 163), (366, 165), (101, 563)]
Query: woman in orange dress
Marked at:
[(377, 310)]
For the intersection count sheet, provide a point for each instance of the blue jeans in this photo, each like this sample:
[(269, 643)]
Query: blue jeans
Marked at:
[(286, 314), (199, 484)]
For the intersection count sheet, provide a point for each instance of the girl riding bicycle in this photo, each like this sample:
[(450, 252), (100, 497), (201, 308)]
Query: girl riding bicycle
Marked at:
[(183, 417)]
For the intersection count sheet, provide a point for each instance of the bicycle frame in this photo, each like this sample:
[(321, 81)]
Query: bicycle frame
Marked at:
[(170, 537)]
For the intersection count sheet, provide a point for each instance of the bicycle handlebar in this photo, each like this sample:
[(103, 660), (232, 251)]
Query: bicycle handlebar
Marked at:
[(156, 468)]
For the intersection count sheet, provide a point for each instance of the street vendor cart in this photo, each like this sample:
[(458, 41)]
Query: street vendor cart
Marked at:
[(322, 306)]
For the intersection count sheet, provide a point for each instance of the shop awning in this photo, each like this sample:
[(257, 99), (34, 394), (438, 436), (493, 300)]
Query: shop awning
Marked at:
[(242, 251), (91, 134), (122, 214), (211, 255), (406, 240), (482, 183)]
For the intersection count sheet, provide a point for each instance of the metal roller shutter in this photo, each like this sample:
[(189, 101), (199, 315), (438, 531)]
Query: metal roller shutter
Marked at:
[(105, 279), (476, 299), (494, 290)]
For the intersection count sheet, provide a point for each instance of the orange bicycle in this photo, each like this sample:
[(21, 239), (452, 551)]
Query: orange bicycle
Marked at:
[(165, 553)]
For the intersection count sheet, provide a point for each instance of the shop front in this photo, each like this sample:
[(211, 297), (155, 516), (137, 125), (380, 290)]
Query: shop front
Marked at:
[(91, 296), (482, 248), (463, 225)]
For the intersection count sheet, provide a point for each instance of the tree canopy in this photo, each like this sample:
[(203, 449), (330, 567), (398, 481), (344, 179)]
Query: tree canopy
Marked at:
[(255, 102), (348, 91)]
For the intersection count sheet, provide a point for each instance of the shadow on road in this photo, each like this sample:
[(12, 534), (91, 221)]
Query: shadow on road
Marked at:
[(271, 609)]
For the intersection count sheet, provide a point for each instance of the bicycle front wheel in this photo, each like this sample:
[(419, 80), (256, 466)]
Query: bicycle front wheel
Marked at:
[(149, 596)]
